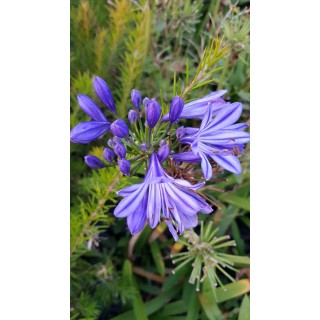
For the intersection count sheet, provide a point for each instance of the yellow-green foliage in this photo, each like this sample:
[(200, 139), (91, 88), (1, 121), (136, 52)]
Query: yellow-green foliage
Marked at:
[(136, 48)]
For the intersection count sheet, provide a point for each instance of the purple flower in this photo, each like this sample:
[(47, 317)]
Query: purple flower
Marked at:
[(120, 150), (161, 196), (108, 154), (136, 98), (104, 94), (197, 108), (124, 166), (153, 113), (111, 143), (180, 132), (143, 146), (145, 102), (218, 138), (163, 152), (86, 132), (132, 116), (93, 162), (119, 128), (176, 108), (91, 108)]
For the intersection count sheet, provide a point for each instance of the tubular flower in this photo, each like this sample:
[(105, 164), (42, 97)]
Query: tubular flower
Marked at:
[(218, 138), (161, 196), (197, 108)]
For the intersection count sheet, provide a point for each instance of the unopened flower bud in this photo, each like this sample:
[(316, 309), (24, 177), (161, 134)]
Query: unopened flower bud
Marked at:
[(116, 140), (136, 98), (163, 152), (103, 92), (132, 116), (120, 150), (143, 146), (111, 143), (162, 142), (153, 113), (93, 162), (176, 108), (119, 128), (180, 132), (108, 154), (145, 102), (124, 166)]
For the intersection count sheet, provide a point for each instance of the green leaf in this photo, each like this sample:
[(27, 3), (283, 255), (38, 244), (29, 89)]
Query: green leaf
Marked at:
[(153, 305), (157, 257), (209, 304), (242, 203), (137, 302), (233, 290), (244, 313)]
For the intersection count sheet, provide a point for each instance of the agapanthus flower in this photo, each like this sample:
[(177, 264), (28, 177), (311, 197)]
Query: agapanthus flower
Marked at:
[(136, 98), (196, 109), (153, 113), (120, 150), (176, 108), (86, 132), (108, 155), (161, 196), (217, 138), (124, 166), (104, 93), (163, 152), (119, 128), (132, 116), (93, 162)]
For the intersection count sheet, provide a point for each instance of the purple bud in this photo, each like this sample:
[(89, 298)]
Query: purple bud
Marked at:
[(108, 154), (93, 162), (162, 142), (163, 152), (103, 92), (91, 108), (124, 166), (136, 98), (145, 102), (132, 116), (143, 146), (176, 108), (153, 113), (111, 143), (120, 150), (180, 132), (116, 140), (119, 128)]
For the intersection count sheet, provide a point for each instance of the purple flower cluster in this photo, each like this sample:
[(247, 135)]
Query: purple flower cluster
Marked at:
[(160, 196)]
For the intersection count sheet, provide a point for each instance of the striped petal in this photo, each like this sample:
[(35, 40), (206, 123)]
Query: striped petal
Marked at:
[(230, 163)]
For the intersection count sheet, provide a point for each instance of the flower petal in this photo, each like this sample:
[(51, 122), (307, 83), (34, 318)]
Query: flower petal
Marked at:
[(230, 163), (226, 116), (137, 220), (186, 157), (226, 137), (237, 126), (86, 132), (129, 204), (205, 166), (91, 108)]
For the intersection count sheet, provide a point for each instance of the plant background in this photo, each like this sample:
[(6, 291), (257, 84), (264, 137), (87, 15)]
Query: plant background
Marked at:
[(142, 44)]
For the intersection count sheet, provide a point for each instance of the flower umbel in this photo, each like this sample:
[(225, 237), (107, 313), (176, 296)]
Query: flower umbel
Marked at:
[(161, 196)]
